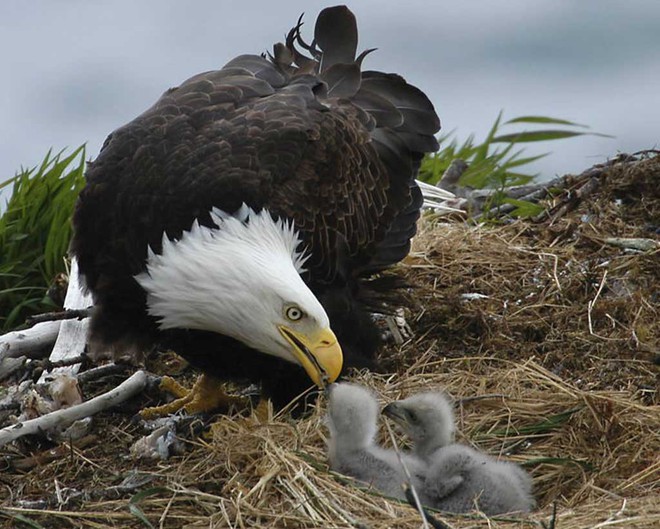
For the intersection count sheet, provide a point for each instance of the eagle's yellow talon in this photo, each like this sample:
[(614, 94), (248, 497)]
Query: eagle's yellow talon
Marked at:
[(207, 394)]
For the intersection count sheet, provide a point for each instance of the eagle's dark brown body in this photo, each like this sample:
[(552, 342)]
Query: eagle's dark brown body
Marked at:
[(331, 148)]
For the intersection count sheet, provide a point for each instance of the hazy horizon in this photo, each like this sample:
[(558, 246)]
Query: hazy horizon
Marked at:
[(78, 70)]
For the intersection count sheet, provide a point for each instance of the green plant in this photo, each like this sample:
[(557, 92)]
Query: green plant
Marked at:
[(496, 163), (35, 230)]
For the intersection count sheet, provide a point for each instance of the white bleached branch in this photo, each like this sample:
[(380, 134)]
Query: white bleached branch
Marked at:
[(32, 342), (57, 419)]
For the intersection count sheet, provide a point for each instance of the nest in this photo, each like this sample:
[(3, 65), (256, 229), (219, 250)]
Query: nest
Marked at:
[(547, 335)]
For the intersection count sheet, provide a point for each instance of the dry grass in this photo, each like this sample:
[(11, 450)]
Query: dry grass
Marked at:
[(553, 368)]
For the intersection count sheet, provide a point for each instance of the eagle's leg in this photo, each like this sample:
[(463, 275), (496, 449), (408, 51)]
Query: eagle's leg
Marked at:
[(207, 394)]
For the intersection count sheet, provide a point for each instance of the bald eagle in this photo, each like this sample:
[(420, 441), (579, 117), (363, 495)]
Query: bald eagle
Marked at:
[(240, 220)]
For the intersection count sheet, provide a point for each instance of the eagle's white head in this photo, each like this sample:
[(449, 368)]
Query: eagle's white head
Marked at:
[(242, 279)]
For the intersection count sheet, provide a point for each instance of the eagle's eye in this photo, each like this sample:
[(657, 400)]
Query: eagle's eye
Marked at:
[(293, 313)]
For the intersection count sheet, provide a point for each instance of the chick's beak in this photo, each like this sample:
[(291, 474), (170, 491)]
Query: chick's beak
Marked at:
[(319, 354), (393, 411)]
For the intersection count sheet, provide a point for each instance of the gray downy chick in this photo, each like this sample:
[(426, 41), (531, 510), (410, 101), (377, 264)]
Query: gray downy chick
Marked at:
[(459, 478), (352, 420), (427, 419)]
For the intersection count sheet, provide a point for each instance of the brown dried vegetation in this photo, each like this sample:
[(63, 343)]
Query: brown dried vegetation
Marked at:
[(546, 334)]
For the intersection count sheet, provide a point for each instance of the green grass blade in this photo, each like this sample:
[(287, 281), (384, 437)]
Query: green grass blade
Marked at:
[(137, 512), (523, 208), (542, 135), (9, 181), (543, 120), (482, 150), (550, 423), (490, 166), (526, 161), (137, 498), (22, 519)]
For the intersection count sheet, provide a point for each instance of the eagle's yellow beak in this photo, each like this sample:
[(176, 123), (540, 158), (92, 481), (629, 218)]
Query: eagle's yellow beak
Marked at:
[(320, 354)]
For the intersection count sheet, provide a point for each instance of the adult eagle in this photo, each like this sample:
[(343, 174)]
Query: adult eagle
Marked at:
[(239, 219)]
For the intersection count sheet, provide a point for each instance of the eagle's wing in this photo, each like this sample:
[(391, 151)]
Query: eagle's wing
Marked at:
[(310, 138)]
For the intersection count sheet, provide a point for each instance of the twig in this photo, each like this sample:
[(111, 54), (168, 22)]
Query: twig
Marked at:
[(555, 265), (615, 518), (124, 391), (58, 452), (416, 503), (587, 189), (591, 303), (65, 362), (68, 314), (44, 368), (100, 372), (394, 330), (590, 176), (553, 519), (490, 396)]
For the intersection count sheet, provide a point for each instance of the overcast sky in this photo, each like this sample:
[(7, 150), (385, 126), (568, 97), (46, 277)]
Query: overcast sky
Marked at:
[(73, 71)]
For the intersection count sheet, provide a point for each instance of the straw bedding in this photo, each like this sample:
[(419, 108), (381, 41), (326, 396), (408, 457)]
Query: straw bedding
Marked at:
[(545, 334)]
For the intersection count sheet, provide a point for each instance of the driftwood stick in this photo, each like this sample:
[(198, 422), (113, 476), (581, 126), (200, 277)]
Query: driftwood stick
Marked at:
[(536, 193), (127, 389), (72, 338), (634, 243), (449, 179), (99, 372), (497, 210), (586, 182), (585, 190), (65, 362), (528, 193), (589, 181), (33, 342)]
